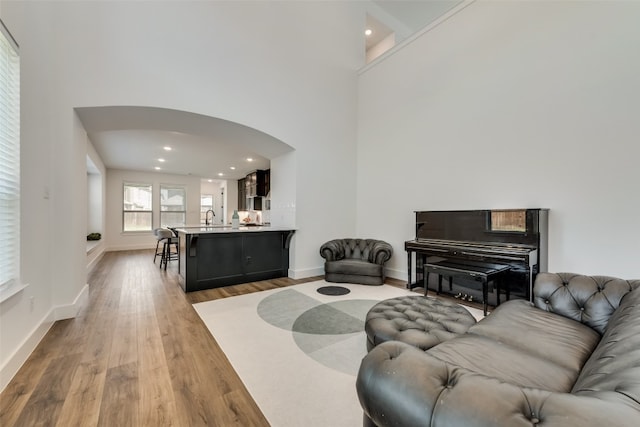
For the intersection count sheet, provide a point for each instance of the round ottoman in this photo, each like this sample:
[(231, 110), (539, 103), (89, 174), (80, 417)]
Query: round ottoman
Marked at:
[(416, 320)]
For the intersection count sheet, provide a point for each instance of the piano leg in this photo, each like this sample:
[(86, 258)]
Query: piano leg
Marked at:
[(425, 283), (409, 263), (485, 294)]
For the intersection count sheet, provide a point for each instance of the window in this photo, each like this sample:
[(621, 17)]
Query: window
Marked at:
[(137, 210), (206, 204), (173, 210), (9, 163)]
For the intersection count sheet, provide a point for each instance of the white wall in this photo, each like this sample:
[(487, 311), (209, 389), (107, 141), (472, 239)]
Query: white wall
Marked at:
[(25, 317), (119, 240), (511, 104), (96, 205), (261, 64)]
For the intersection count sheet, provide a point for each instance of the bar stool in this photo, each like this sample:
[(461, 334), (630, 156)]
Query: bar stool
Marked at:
[(158, 240), (170, 240)]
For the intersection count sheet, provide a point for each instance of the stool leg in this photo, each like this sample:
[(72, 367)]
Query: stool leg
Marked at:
[(167, 254), (156, 254), (163, 257)]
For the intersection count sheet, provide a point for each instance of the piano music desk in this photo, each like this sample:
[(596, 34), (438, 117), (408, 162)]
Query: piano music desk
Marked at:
[(479, 271)]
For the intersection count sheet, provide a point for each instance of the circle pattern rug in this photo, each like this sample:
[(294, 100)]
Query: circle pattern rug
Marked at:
[(331, 333)]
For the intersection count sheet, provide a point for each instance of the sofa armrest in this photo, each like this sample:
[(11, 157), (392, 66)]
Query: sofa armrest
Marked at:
[(333, 250), (400, 385), (381, 252)]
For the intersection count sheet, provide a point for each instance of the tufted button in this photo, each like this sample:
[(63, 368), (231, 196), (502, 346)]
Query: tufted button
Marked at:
[(546, 301), (581, 308)]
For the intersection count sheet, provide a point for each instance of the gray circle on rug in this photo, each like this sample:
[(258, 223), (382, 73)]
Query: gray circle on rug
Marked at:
[(333, 334), (330, 319), (333, 290)]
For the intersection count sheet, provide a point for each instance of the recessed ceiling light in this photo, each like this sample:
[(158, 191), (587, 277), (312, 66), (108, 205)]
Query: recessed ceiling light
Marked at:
[(367, 32), (161, 160), (157, 168), (232, 168), (167, 148), (249, 159), (220, 174), (210, 180)]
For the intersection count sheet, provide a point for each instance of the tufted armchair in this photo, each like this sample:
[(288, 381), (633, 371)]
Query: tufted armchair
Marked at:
[(571, 358), (355, 260)]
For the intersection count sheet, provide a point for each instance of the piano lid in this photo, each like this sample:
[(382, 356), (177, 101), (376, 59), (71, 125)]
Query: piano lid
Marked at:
[(505, 226)]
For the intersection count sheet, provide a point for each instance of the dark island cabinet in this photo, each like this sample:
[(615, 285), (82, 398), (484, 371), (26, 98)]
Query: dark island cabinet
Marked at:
[(211, 260)]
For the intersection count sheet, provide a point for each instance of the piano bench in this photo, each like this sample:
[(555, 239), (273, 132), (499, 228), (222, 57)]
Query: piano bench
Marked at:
[(480, 271)]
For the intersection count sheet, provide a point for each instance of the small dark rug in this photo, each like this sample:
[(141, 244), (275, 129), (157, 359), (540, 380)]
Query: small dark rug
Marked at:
[(333, 290)]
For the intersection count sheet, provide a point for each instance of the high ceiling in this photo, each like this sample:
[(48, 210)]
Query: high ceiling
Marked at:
[(134, 138)]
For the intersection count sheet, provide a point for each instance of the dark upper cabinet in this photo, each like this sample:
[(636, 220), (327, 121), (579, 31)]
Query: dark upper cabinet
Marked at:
[(242, 195), (267, 181), (255, 184)]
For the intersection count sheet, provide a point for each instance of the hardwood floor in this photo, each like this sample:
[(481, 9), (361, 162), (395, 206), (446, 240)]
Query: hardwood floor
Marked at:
[(136, 355)]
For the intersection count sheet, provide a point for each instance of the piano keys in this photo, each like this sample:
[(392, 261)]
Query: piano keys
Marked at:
[(513, 237)]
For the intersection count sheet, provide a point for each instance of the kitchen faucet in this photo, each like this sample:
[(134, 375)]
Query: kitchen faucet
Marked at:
[(206, 217)]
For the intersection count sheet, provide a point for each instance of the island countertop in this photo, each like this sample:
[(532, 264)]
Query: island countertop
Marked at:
[(222, 229)]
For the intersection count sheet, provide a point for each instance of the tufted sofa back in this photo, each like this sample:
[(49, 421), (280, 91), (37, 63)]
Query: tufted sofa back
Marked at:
[(371, 250), (590, 300)]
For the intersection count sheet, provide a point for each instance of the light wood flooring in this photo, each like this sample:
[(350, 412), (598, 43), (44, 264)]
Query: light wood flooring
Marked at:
[(136, 355)]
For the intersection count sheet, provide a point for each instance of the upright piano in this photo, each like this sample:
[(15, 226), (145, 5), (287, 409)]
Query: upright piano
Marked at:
[(516, 238)]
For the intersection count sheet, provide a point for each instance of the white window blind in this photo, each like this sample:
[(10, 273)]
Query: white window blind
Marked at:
[(173, 205), (137, 211), (9, 160)]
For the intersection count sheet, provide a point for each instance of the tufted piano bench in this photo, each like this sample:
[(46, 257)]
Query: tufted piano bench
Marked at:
[(419, 321)]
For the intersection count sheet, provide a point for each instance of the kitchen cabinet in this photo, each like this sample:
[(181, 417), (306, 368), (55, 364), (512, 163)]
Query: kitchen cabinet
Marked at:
[(255, 184), (211, 258), (242, 195), (267, 182)]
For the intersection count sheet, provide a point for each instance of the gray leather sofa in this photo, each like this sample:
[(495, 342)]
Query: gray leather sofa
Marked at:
[(570, 358), (355, 260)]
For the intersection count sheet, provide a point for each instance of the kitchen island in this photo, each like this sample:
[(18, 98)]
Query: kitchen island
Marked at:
[(211, 257)]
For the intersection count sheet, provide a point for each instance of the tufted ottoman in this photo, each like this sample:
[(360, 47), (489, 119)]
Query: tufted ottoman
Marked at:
[(416, 320)]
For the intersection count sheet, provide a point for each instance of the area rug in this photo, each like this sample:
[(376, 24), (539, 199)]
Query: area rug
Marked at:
[(298, 351)]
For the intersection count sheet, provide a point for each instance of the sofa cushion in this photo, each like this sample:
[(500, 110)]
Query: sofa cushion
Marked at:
[(523, 345)]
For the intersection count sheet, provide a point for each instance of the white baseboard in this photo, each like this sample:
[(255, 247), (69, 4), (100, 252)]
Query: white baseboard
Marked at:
[(69, 311), (309, 272), (396, 274), (95, 260), (22, 353), (24, 350)]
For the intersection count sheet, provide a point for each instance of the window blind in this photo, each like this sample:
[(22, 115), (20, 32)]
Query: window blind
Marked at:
[(9, 160)]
